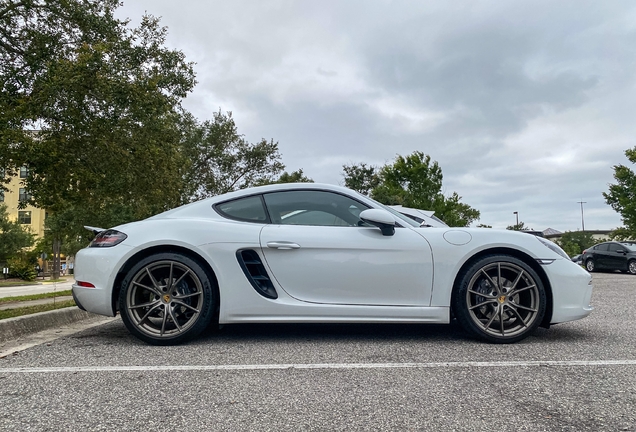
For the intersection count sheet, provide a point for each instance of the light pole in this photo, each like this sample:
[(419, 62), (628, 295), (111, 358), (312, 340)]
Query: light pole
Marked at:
[(516, 214), (582, 219)]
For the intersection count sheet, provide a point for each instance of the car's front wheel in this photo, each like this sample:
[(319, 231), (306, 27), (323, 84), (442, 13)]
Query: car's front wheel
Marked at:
[(500, 299), (167, 298), (589, 265)]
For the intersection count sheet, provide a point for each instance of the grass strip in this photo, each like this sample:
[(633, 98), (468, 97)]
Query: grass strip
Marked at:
[(11, 284), (12, 313), (35, 296)]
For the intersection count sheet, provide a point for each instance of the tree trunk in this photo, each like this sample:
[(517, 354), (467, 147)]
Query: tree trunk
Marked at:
[(56, 259)]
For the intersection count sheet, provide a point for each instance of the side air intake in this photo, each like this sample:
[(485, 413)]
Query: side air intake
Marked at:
[(255, 271)]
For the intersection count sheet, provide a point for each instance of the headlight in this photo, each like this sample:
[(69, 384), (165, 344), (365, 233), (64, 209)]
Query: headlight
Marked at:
[(108, 238), (553, 247)]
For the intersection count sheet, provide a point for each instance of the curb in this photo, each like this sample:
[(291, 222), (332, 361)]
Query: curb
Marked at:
[(14, 328)]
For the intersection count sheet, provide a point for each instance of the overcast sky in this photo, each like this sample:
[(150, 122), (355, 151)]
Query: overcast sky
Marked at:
[(526, 105)]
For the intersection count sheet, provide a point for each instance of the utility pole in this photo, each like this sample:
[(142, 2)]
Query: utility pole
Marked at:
[(516, 214), (582, 219)]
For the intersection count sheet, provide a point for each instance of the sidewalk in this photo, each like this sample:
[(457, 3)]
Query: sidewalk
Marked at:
[(38, 287), (21, 304)]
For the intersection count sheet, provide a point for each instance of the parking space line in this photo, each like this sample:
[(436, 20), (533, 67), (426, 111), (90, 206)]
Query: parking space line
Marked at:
[(305, 366)]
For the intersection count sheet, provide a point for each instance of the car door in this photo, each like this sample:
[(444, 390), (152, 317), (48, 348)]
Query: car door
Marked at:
[(601, 252), (617, 257), (319, 251)]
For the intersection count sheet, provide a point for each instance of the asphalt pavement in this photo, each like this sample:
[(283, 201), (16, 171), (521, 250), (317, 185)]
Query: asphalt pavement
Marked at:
[(578, 376)]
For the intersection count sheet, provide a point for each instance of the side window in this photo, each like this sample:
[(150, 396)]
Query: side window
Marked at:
[(248, 209), (315, 208), (603, 247), (615, 247)]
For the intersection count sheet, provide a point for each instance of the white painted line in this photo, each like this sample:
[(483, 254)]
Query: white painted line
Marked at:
[(304, 366)]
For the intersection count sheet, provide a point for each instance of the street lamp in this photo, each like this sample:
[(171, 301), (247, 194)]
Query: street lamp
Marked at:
[(516, 214), (582, 220)]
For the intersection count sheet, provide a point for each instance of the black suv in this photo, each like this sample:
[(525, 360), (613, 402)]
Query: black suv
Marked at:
[(611, 256)]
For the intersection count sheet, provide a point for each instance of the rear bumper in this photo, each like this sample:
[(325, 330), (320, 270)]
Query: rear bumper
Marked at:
[(99, 267)]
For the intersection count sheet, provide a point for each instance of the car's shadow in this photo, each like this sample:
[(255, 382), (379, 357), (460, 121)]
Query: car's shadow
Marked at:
[(116, 333), (335, 332)]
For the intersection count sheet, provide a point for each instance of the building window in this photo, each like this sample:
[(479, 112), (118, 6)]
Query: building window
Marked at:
[(24, 217), (24, 195), (24, 172)]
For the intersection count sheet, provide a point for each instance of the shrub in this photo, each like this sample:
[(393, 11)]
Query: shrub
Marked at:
[(22, 267)]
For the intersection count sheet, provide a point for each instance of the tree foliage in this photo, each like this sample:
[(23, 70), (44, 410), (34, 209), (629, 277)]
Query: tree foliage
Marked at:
[(575, 242), (221, 160), (518, 227), (292, 177), (413, 181), (14, 239), (362, 177), (105, 99), (622, 197)]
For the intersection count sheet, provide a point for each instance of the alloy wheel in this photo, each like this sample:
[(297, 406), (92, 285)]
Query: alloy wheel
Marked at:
[(164, 299), (503, 300)]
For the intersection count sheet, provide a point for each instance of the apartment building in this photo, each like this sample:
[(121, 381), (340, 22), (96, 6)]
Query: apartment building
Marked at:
[(30, 217)]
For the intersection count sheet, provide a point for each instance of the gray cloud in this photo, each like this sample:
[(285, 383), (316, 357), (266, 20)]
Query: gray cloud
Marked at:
[(526, 105)]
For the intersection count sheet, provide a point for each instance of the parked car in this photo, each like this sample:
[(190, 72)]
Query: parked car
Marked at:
[(611, 256), (426, 218), (578, 259), (320, 253)]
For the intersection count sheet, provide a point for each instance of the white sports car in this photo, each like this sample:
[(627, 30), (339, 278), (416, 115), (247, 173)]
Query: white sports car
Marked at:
[(321, 253)]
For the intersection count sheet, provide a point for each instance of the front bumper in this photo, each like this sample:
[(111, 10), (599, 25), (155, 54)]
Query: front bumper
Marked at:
[(571, 291)]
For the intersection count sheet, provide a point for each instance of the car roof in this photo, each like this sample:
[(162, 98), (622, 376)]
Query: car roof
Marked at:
[(201, 207)]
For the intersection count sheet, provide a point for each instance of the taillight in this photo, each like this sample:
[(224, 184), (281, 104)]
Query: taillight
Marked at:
[(583, 251), (85, 284), (108, 238)]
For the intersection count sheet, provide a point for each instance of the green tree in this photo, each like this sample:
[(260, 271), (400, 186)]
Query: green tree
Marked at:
[(221, 160), (574, 242), (484, 226), (413, 181), (361, 177), (622, 197), (293, 177), (14, 239), (105, 100), (517, 227)]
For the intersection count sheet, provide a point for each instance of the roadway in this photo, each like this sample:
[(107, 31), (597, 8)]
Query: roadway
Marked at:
[(578, 376)]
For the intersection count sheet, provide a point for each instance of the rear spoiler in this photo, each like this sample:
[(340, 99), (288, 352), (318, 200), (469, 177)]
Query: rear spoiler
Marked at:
[(94, 230)]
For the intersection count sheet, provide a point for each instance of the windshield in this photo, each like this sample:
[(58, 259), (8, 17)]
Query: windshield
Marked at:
[(630, 246), (397, 214)]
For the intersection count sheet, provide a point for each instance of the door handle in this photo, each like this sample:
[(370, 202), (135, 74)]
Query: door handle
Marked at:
[(282, 245)]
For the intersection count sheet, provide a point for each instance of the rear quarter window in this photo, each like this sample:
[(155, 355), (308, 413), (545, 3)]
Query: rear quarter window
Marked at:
[(250, 209)]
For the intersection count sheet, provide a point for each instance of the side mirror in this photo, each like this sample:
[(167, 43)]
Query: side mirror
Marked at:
[(380, 218)]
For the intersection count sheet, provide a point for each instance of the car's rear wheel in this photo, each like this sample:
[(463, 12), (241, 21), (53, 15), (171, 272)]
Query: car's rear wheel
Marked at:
[(589, 265), (631, 266), (167, 299), (500, 299)]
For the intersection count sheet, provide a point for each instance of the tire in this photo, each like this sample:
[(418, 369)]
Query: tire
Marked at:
[(499, 299), (169, 282), (589, 265), (631, 266)]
